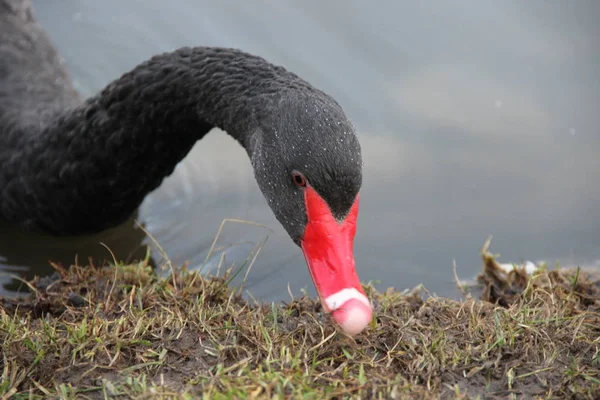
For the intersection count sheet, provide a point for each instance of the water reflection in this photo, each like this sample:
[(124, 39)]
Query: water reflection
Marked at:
[(474, 120), (27, 254)]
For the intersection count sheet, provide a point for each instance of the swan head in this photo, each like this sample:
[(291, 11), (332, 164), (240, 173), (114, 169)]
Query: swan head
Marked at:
[(307, 162)]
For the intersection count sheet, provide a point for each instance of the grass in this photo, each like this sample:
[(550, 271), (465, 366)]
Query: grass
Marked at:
[(124, 332)]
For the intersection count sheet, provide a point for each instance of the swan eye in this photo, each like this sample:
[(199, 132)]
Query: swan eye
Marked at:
[(299, 179)]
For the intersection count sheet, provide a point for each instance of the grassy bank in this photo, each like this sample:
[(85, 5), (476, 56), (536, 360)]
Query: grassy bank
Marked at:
[(121, 331)]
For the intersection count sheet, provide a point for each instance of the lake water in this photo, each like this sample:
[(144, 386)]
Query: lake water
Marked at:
[(475, 118)]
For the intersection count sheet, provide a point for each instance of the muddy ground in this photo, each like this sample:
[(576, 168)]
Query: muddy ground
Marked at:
[(123, 332)]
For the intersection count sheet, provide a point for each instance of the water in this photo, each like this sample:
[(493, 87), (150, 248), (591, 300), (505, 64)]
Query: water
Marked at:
[(474, 119)]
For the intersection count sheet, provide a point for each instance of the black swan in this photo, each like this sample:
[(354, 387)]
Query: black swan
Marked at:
[(71, 166)]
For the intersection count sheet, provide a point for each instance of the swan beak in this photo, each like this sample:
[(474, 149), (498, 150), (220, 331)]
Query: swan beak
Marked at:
[(328, 249)]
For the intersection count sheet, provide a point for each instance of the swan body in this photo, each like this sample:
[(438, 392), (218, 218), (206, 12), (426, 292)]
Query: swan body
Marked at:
[(73, 166)]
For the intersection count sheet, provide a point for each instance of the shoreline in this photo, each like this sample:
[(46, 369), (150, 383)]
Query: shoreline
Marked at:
[(124, 332)]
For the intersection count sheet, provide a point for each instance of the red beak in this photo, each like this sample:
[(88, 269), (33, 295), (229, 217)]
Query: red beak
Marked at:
[(328, 247)]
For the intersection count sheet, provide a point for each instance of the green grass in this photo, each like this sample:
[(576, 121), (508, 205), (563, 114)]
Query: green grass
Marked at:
[(124, 332)]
